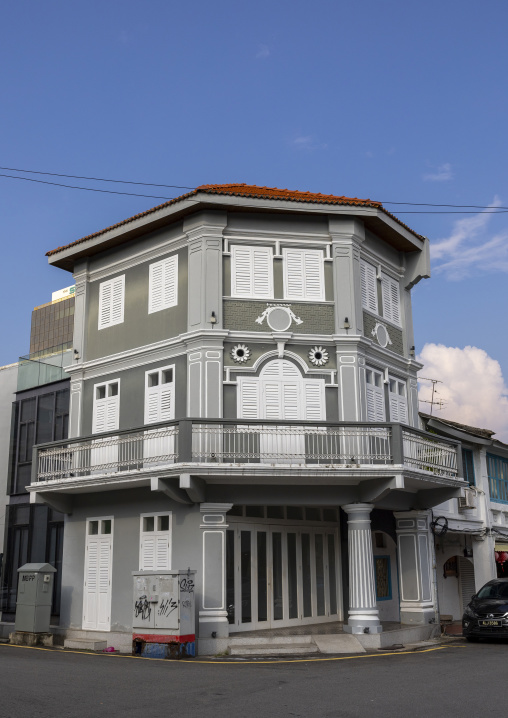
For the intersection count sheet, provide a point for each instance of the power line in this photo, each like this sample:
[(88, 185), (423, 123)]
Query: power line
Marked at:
[(86, 189), (96, 179), (493, 210)]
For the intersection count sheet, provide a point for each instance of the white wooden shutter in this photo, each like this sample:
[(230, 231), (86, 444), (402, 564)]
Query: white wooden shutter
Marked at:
[(391, 299), (163, 284), (303, 274), (272, 400), (90, 587), (375, 403), (106, 414), (369, 286), (155, 549), (314, 398), (251, 272), (248, 399), (111, 302), (398, 401), (291, 400), (294, 274), (104, 598)]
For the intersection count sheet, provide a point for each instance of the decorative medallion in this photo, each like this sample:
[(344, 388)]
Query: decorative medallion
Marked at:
[(278, 318), (240, 353), (318, 356), (381, 334)]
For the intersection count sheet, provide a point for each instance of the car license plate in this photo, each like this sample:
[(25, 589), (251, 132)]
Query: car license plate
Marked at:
[(490, 623)]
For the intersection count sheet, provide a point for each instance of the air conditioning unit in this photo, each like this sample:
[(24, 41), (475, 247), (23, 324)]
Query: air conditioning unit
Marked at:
[(468, 501)]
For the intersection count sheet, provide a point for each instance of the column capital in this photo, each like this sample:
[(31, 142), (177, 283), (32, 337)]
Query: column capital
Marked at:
[(358, 512)]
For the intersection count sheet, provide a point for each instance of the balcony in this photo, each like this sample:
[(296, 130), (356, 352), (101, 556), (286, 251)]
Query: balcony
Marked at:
[(212, 443)]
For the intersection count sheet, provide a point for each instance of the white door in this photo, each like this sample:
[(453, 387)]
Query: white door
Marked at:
[(104, 454), (98, 569)]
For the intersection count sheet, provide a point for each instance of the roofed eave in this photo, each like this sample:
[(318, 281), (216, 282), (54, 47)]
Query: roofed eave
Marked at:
[(376, 219)]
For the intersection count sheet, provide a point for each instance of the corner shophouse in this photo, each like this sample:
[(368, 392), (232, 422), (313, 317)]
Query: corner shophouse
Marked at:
[(244, 404)]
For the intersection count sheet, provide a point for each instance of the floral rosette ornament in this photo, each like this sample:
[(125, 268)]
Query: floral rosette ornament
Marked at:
[(240, 353), (318, 356)]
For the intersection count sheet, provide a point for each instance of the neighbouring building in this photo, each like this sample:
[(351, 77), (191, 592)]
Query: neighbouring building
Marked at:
[(8, 384), (243, 403), (471, 531), (38, 411)]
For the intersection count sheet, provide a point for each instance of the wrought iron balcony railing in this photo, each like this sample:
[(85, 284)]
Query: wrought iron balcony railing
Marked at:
[(221, 441)]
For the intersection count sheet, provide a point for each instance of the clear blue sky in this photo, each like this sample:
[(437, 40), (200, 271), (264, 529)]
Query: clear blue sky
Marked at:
[(396, 101)]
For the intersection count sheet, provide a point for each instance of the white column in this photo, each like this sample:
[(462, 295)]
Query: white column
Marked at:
[(363, 611), (415, 548), (213, 616)]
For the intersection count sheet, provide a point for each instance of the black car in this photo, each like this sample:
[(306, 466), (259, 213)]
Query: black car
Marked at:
[(486, 616)]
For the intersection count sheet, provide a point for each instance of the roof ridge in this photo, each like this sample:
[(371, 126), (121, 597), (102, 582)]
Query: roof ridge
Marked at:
[(246, 190)]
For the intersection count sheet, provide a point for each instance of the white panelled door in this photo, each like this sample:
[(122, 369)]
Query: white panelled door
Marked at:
[(159, 406), (106, 417), (98, 570), (281, 393)]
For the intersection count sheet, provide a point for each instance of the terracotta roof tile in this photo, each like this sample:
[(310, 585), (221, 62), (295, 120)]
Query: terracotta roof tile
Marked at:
[(483, 433), (245, 190)]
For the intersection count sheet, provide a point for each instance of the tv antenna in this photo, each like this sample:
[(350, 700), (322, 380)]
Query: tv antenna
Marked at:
[(432, 402)]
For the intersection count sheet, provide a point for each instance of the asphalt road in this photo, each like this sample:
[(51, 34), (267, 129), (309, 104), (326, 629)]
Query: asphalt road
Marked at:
[(463, 680)]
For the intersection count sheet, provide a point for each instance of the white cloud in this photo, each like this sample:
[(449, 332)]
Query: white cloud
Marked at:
[(263, 52), (307, 142), (468, 245), (473, 389), (443, 173)]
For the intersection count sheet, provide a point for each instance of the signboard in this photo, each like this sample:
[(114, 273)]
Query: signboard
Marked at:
[(63, 293)]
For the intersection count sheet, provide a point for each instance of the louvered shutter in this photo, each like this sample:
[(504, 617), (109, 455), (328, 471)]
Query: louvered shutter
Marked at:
[(272, 400), (111, 302), (398, 402), (90, 588), (375, 403), (112, 413), (248, 399), (162, 551), (262, 272), (391, 299), (155, 550), (251, 272), (105, 293), (241, 272), (291, 400), (303, 274), (147, 552), (163, 284), (314, 400), (294, 274), (156, 284), (152, 405), (314, 276), (100, 416), (369, 286)]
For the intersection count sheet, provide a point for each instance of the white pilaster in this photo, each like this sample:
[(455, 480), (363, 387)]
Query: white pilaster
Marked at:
[(415, 548), (363, 611), (213, 616)]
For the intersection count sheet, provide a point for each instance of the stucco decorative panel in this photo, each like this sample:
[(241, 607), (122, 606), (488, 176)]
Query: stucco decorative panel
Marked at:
[(396, 338), (316, 318)]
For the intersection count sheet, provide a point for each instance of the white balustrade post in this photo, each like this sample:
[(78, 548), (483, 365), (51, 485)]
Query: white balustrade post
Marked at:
[(363, 611)]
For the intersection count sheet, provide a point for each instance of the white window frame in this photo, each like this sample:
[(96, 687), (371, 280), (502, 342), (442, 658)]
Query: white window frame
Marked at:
[(368, 279), (251, 291), (170, 367), (304, 293), (106, 384), (391, 309), (396, 396), (169, 270), (110, 321), (169, 533), (381, 392)]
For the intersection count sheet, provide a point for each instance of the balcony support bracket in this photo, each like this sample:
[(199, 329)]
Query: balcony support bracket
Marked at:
[(59, 502), (194, 487), (427, 498), (377, 489), (170, 488)]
